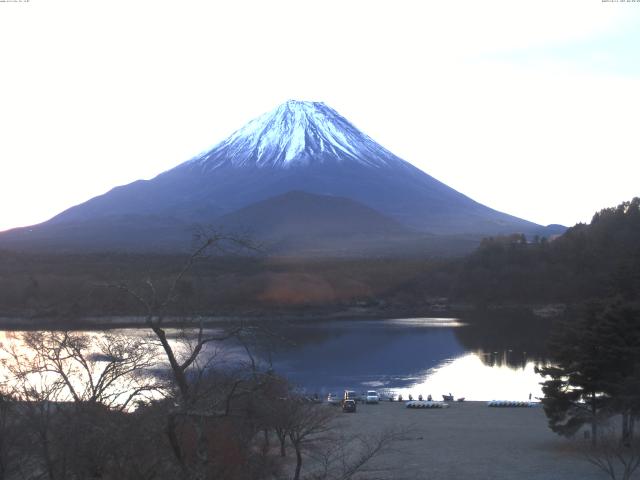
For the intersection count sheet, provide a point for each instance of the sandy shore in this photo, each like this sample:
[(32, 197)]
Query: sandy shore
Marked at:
[(470, 441)]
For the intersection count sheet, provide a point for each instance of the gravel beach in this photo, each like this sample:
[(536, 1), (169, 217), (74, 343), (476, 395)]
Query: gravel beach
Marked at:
[(470, 440)]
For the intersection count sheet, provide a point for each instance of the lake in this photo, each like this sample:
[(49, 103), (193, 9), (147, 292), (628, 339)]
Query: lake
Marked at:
[(491, 358), (481, 358)]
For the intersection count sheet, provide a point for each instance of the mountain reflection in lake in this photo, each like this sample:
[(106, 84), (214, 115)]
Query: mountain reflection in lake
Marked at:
[(479, 359), (412, 356)]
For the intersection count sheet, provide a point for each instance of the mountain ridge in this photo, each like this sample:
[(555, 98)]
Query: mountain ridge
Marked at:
[(298, 146)]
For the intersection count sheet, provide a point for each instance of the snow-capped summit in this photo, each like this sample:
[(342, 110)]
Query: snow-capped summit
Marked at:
[(346, 185), (296, 133)]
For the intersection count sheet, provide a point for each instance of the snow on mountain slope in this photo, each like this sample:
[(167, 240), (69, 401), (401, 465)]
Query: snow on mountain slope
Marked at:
[(299, 146), (297, 133), (303, 146)]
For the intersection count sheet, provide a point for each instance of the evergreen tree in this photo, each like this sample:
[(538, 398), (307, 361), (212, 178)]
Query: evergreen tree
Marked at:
[(596, 371), (619, 331), (574, 393)]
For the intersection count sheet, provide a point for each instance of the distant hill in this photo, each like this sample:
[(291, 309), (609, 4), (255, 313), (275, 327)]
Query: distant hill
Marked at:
[(299, 213), (308, 224)]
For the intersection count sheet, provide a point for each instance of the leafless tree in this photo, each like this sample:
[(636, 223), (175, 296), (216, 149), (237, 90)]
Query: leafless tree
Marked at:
[(70, 389), (617, 458), (308, 424), (279, 419), (346, 457), (157, 304), (36, 397), (110, 369), (197, 402)]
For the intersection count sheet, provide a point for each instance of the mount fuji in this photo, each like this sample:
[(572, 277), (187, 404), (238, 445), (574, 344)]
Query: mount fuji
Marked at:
[(338, 175)]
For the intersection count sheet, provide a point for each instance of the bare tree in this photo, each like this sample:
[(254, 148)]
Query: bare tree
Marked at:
[(617, 458), (195, 407), (71, 389), (279, 419), (157, 304), (38, 394), (313, 433), (308, 423), (111, 369), (345, 457)]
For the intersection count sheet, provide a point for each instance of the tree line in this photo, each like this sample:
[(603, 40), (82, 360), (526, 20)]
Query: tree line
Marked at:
[(593, 378), (588, 262)]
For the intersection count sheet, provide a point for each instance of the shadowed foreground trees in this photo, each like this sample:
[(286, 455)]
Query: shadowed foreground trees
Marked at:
[(596, 380), (195, 417), (616, 459), (67, 393), (216, 417), (83, 439), (596, 372)]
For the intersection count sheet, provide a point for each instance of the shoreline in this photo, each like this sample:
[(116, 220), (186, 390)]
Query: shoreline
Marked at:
[(132, 322), (110, 322)]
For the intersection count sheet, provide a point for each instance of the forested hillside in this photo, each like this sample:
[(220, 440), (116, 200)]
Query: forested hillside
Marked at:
[(598, 260)]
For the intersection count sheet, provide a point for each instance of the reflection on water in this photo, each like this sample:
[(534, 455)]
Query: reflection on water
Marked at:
[(476, 359), (410, 356), (506, 339), (425, 322), (469, 377), (359, 353)]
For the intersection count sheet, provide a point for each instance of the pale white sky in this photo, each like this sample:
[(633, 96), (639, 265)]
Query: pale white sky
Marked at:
[(531, 108)]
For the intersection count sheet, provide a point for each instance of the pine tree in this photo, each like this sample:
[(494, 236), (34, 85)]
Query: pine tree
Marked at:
[(573, 395), (619, 330), (596, 371)]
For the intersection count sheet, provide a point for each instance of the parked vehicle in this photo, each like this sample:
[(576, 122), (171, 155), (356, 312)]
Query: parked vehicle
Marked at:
[(349, 406), (350, 395), (372, 397), (333, 399)]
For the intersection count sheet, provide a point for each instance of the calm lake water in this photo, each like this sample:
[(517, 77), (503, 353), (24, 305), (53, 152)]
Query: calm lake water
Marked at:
[(479, 359), (485, 360)]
